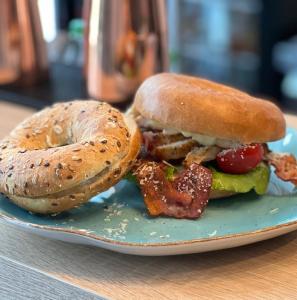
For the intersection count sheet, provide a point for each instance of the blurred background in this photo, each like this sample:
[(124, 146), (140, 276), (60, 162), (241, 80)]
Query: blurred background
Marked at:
[(249, 44)]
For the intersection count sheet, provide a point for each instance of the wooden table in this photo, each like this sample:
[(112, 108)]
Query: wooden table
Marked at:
[(33, 267)]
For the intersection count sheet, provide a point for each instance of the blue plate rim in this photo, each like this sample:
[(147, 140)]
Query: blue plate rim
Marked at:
[(18, 222)]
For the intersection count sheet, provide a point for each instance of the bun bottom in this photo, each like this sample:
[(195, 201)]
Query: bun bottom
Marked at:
[(216, 194)]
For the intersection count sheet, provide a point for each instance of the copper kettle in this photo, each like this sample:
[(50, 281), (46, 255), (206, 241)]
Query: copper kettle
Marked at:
[(126, 42), (23, 57)]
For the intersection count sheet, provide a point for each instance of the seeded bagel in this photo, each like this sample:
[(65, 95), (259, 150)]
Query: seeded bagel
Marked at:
[(65, 154)]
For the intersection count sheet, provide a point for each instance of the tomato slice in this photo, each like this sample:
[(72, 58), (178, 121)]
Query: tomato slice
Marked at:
[(240, 160)]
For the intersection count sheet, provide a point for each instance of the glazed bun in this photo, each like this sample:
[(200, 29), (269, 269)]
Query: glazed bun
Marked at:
[(203, 107)]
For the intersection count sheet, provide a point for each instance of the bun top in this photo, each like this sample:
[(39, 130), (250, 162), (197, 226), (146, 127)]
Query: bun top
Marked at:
[(199, 106)]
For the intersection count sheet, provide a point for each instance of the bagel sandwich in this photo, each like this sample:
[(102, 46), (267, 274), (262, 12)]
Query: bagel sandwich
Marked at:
[(62, 156), (203, 140)]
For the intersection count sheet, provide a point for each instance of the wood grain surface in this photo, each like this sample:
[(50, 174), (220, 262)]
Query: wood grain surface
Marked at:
[(266, 270), (32, 284)]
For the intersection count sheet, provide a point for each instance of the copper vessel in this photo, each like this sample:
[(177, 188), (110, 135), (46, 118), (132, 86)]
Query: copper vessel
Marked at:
[(127, 42), (23, 58)]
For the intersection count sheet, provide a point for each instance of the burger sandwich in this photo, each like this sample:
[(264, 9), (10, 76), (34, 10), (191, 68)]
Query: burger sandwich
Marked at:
[(203, 140)]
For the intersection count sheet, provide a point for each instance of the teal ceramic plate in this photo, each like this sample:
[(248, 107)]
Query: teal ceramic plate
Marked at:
[(117, 219)]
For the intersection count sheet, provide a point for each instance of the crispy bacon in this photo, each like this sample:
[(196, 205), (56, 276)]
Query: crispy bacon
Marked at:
[(285, 166), (184, 197)]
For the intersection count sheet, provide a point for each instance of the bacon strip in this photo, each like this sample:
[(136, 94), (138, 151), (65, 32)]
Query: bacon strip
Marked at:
[(285, 166), (185, 197)]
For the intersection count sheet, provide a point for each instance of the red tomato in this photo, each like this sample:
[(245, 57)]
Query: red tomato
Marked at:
[(240, 160)]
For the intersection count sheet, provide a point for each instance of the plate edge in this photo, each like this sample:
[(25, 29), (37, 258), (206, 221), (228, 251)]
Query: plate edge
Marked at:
[(20, 223)]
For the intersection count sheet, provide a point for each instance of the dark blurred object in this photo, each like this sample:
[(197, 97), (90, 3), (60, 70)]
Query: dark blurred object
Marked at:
[(127, 42), (64, 28), (67, 10), (67, 47), (65, 83), (284, 58), (216, 39), (278, 23), (23, 58), (231, 41)]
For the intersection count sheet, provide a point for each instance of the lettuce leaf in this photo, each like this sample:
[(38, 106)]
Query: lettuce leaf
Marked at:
[(256, 179), (169, 173), (131, 177)]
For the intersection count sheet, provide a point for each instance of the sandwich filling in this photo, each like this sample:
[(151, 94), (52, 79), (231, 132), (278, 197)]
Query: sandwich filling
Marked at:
[(179, 171)]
